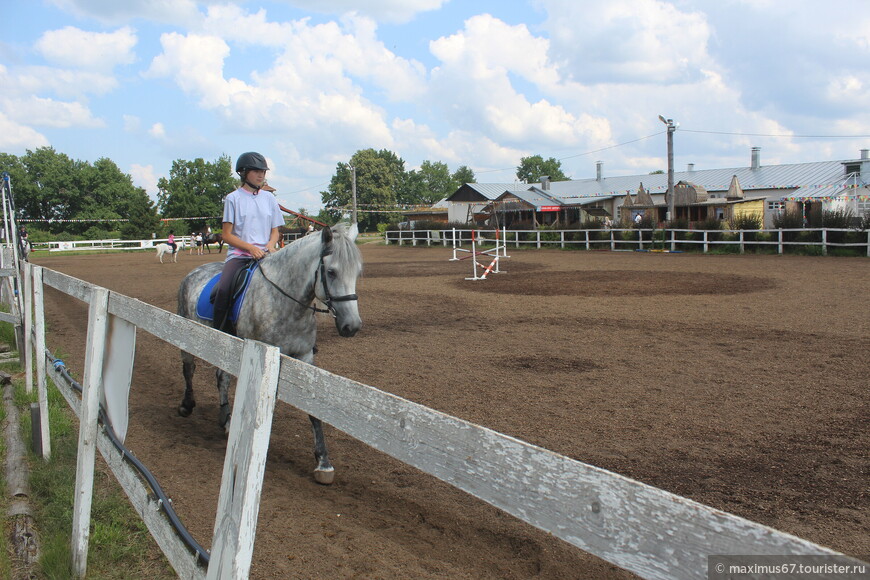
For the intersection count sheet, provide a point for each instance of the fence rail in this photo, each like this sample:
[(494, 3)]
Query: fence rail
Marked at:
[(670, 240), (649, 531)]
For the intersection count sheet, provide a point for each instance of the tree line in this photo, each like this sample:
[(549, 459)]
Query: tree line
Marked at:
[(67, 198)]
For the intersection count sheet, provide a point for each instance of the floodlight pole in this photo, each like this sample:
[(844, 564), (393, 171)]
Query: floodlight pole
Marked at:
[(670, 196)]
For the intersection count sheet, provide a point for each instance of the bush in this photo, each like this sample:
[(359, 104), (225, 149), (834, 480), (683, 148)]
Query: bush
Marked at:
[(788, 220), (746, 222)]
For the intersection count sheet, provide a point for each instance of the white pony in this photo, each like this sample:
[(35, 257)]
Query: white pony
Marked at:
[(167, 249)]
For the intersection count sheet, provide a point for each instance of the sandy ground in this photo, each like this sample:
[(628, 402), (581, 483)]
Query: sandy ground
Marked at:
[(738, 381)]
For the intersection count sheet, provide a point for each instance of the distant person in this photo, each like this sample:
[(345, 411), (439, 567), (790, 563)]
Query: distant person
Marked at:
[(171, 241), (199, 243), (608, 223), (637, 219)]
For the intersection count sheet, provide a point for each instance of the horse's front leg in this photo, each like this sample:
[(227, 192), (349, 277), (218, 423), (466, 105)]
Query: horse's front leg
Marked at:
[(324, 473), (223, 386), (188, 367)]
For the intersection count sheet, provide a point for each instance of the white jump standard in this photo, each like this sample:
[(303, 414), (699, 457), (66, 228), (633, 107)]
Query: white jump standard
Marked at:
[(495, 253)]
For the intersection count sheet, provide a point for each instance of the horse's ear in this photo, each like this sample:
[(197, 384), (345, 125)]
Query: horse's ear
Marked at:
[(353, 232), (326, 236)]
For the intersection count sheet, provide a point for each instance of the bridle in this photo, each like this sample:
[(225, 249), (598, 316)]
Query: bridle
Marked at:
[(321, 273)]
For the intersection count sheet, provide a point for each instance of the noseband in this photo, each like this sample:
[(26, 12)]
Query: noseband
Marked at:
[(321, 272)]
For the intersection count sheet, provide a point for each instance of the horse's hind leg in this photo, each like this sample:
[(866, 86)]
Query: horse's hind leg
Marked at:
[(324, 472), (188, 367), (223, 385)]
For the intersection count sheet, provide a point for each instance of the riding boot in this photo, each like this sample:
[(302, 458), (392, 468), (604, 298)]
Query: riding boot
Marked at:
[(220, 317)]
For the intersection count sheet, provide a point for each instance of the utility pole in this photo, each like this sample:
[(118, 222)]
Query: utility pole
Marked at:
[(353, 192), (670, 196)]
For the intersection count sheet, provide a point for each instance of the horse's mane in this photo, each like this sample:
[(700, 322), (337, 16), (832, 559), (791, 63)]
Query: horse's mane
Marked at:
[(344, 249)]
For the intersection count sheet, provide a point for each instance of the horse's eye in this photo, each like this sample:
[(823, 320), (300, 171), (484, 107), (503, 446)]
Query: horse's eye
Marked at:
[(331, 273)]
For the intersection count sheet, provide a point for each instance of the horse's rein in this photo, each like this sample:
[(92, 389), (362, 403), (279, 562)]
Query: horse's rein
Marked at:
[(321, 272)]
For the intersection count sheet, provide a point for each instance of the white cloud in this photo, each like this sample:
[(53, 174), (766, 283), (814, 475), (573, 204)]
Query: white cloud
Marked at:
[(144, 177), (63, 82), (496, 81), (73, 47), (603, 41), (43, 112), (158, 131), (17, 137), (174, 12), (394, 11)]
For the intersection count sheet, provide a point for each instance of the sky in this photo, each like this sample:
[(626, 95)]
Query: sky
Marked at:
[(479, 83)]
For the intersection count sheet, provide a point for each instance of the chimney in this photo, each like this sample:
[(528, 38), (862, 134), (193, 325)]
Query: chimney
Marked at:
[(691, 167), (865, 154), (545, 182), (598, 165), (756, 158)]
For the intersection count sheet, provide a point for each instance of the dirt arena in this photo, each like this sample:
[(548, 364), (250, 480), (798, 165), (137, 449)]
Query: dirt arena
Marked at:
[(738, 381)]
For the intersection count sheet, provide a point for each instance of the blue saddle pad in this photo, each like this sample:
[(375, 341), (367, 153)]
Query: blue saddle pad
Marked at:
[(204, 305)]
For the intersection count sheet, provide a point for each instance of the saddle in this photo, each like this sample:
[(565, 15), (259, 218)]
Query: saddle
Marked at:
[(205, 302)]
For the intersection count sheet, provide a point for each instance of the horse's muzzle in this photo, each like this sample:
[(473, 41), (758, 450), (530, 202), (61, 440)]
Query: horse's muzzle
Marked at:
[(348, 328)]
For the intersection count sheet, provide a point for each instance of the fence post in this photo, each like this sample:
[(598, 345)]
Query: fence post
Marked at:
[(245, 462), (39, 347), (26, 349), (98, 323), (779, 241), (706, 243), (741, 242), (824, 241), (587, 239)]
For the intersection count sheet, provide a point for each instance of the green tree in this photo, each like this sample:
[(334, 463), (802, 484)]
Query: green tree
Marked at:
[(195, 189), (463, 175), (379, 175), (531, 169), (73, 197)]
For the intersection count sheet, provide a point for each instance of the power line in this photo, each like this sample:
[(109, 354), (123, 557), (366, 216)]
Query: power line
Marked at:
[(776, 135)]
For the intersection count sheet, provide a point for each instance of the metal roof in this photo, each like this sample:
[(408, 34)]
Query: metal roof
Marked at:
[(797, 179)]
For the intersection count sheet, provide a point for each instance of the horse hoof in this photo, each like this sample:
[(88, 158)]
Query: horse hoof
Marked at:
[(324, 476), (184, 411)]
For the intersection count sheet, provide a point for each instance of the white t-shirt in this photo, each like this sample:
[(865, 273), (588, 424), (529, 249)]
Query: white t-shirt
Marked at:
[(253, 217)]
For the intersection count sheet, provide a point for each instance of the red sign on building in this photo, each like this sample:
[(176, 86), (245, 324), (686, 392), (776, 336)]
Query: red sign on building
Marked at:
[(550, 208)]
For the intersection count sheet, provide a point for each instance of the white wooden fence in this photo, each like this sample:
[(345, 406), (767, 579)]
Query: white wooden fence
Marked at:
[(639, 239), (646, 530)]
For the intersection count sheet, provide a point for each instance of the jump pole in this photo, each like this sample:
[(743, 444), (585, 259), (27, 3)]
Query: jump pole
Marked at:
[(493, 265)]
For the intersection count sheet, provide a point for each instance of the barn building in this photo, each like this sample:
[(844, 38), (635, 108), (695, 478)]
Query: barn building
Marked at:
[(698, 195)]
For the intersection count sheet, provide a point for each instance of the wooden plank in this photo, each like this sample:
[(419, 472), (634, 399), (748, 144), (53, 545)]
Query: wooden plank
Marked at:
[(217, 348), (182, 560), (88, 420), (245, 463), (649, 531), (6, 317)]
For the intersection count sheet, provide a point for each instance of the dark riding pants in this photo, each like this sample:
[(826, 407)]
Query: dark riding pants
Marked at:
[(225, 289)]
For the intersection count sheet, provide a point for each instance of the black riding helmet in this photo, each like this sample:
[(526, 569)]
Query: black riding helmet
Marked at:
[(251, 160), (248, 161)]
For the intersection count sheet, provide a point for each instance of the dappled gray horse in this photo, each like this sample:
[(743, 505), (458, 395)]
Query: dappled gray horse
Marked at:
[(279, 309)]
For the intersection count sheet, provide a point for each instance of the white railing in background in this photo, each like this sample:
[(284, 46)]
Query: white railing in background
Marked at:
[(184, 242), (639, 239)]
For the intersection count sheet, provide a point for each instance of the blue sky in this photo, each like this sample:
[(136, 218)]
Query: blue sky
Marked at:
[(477, 83)]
